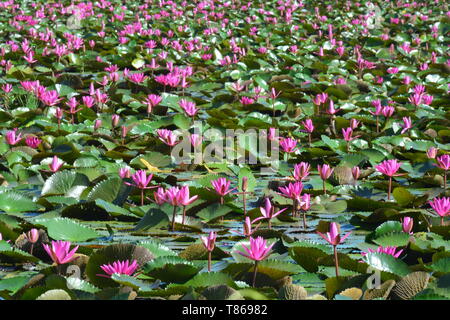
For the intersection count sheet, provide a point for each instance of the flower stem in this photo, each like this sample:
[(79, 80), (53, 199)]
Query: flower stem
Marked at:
[(254, 273), (209, 260), (336, 262), (304, 220), (173, 217), (324, 187), (294, 205), (142, 197), (184, 215), (389, 188), (244, 199)]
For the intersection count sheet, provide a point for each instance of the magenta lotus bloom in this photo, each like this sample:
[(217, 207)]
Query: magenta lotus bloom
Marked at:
[(167, 136), (325, 171), (301, 171), (388, 111), (60, 252), (119, 267), (441, 206), (152, 101), (160, 196), (407, 124), (33, 142), (292, 191), (124, 172), (56, 164), (308, 124), (188, 107), (259, 250), (141, 181), (184, 199), (288, 144), (407, 224), (389, 168), (222, 187), (443, 162), (12, 138), (334, 238), (268, 212), (392, 251), (209, 243), (309, 128)]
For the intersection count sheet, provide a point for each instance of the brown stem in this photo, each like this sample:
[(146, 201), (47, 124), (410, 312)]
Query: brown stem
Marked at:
[(209, 260), (378, 125), (244, 199), (445, 180), (336, 262), (142, 197), (309, 139), (442, 221), (304, 220), (173, 217), (324, 187), (184, 215), (389, 188), (270, 224), (31, 250), (254, 273), (294, 205)]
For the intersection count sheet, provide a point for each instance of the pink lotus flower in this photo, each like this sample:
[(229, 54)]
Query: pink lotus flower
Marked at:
[(32, 236), (209, 241), (407, 124), (222, 187), (441, 206), (247, 100), (432, 152), (151, 101), (444, 162), (12, 138), (356, 171), (137, 77), (325, 171), (301, 171), (331, 110), (167, 136), (268, 212), (388, 111), (292, 191), (56, 164), (288, 144), (308, 124), (7, 88), (392, 251), (183, 196), (124, 172), (59, 252), (389, 167), (33, 142), (119, 267), (407, 224), (259, 250), (160, 196), (333, 237), (188, 107), (195, 140), (141, 180), (354, 123), (347, 133)]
